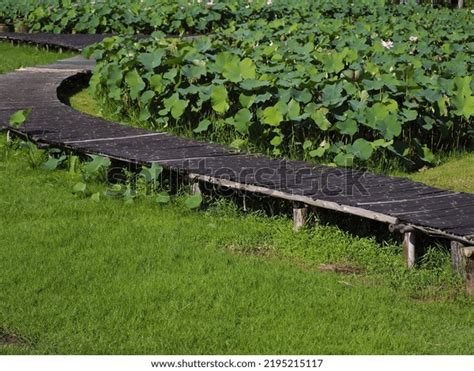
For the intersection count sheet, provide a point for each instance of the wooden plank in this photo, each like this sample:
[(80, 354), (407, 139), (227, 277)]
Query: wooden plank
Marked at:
[(49, 70), (113, 138), (466, 231), (441, 209), (303, 199), (430, 196)]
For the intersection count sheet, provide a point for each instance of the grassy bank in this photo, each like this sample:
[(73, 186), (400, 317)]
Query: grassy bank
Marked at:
[(86, 277), (14, 57)]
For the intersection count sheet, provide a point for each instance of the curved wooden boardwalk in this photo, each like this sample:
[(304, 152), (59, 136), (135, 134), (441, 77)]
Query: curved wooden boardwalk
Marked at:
[(400, 202)]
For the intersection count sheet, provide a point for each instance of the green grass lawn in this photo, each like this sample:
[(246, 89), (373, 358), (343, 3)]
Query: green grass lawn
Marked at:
[(13, 57), (86, 277), (456, 173), (81, 277)]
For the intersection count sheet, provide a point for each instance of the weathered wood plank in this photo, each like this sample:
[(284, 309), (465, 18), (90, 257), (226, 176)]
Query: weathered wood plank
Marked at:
[(303, 199)]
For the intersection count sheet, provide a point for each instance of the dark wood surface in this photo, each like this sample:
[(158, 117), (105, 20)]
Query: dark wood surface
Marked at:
[(68, 41), (55, 124)]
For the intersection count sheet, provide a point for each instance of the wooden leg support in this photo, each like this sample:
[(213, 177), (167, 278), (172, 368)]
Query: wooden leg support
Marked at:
[(409, 248), (458, 260), (462, 258), (469, 256), (196, 188), (300, 215)]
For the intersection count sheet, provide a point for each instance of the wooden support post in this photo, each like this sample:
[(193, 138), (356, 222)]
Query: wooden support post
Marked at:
[(462, 258), (458, 261), (300, 214), (196, 188), (469, 258), (409, 248)]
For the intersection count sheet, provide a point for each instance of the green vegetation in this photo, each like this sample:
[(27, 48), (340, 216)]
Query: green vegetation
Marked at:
[(82, 101), (80, 276), (172, 16), (393, 86), (371, 84), (455, 172), (83, 274), (14, 57)]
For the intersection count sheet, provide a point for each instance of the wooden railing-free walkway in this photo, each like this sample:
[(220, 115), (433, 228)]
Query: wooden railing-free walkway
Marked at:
[(408, 207)]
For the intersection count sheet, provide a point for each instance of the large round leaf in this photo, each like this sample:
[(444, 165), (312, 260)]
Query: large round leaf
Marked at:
[(220, 99)]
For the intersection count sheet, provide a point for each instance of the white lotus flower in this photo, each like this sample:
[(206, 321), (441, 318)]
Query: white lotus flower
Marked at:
[(269, 2), (413, 39), (387, 44), (210, 3)]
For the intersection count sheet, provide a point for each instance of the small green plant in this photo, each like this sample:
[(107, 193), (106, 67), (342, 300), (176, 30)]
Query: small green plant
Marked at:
[(194, 201), (150, 176), (19, 118), (55, 159), (36, 156), (96, 168), (134, 185), (73, 163), (80, 188), (163, 198)]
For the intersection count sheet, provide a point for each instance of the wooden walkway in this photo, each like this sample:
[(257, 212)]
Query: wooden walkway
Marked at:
[(405, 205)]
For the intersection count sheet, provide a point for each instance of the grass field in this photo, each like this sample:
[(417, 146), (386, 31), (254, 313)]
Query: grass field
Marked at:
[(456, 173), (80, 277), (14, 57)]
